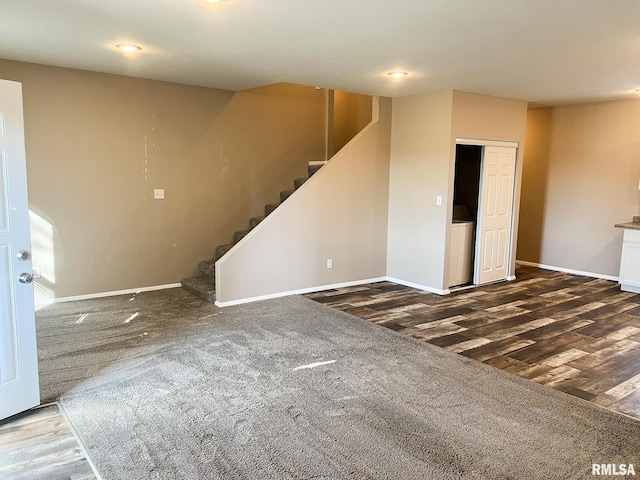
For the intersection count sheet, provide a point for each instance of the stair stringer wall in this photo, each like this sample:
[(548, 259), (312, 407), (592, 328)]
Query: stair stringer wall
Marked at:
[(341, 213)]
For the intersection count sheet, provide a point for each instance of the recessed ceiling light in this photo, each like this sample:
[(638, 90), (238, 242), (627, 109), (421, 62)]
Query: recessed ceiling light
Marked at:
[(397, 74), (212, 1), (128, 48)]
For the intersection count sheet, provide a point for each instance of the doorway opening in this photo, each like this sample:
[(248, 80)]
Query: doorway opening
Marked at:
[(466, 190), (482, 218)]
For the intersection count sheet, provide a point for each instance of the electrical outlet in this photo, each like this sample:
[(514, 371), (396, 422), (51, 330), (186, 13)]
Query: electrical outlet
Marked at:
[(158, 193), (329, 263)]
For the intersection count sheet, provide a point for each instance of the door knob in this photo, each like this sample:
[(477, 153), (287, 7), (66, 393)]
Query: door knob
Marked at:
[(23, 255), (25, 278)]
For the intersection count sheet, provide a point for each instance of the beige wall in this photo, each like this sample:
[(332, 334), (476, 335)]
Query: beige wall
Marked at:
[(534, 184), (351, 113), (581, 177), (424, 132), (339, 214), (489, 118), (419, 171), (485, 117), (97, 145)]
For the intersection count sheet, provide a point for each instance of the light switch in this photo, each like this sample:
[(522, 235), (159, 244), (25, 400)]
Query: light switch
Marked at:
[(439, 200), (158, 193)]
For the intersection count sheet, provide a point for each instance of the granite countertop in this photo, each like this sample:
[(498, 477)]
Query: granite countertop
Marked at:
[(635, 224)]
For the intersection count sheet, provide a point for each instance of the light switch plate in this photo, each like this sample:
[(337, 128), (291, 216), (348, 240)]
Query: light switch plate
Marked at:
[(158, 193)]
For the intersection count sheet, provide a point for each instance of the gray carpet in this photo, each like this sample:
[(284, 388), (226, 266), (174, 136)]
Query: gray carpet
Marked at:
[(288, 388)]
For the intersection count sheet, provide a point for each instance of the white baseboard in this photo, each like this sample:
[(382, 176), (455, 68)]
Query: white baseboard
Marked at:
[(629, 288), (314, 289), (106, 294), (418, 286), (567, 270), (329, 287), (298, 292)]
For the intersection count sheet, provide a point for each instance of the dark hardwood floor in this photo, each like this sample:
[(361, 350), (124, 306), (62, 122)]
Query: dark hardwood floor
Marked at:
[(576, 334), (38, 445)]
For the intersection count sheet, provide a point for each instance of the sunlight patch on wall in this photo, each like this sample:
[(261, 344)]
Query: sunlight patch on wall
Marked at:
[(43, 254)]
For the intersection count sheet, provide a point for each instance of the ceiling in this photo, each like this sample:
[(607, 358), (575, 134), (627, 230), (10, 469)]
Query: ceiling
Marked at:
[(548, 52)]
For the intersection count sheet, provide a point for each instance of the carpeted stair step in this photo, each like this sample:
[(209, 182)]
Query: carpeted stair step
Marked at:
[(270, 207), (207, 269), (314, 168), (201, 287), (222, 249), (286, 194), (297, 183), (254, 221), (239, 235), (204, 285)]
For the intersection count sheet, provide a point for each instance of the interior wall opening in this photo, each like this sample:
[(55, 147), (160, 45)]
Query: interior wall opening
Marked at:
[(466, 190)]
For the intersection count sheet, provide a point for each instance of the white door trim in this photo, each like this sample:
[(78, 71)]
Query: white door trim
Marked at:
[(486, 143)]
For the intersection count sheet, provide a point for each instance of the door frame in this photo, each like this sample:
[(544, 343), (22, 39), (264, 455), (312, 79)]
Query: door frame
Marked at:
[(514, 211)]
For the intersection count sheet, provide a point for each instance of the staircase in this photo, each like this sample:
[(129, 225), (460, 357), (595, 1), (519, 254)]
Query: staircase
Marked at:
[(204, 285)]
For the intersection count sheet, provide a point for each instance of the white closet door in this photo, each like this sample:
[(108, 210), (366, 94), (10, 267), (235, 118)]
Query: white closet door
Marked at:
[(495, 214)]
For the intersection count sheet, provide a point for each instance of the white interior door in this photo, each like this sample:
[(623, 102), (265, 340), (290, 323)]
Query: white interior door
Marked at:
[(19, 388), (495, 209)]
